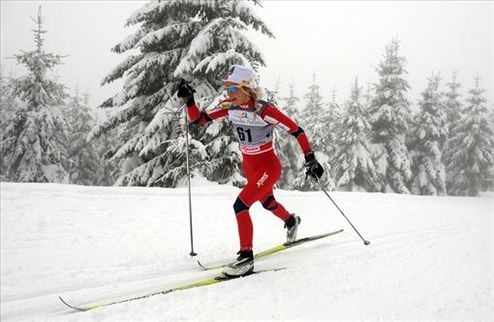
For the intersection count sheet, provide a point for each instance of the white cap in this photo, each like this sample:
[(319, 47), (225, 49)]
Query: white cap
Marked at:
[(243, 75)]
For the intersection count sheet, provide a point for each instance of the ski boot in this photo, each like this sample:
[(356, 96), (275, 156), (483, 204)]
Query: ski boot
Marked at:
[(243, 265), (291, 224)]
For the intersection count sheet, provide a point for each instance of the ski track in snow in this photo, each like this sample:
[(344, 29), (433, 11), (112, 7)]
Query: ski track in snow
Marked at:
[(430, 258)]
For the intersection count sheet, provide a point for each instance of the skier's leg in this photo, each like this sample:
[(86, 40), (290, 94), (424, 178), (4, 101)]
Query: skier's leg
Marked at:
[(271, 204), (262, 174), (244, 264), (291, 220), (244, 224), (267, 199), (259, 184)]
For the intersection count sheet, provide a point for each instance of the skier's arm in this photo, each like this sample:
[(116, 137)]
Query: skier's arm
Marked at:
[(275, 116), (186, 93), (196, 116)]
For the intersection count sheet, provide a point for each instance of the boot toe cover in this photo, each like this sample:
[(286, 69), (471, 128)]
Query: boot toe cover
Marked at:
[(239, 269)]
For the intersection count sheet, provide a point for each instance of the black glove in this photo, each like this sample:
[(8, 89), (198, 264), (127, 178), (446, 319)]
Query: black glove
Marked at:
[(185, 92), (313, 168)]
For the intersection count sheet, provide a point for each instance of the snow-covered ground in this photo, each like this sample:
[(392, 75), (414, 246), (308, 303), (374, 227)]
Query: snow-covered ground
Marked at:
[(430, 258)]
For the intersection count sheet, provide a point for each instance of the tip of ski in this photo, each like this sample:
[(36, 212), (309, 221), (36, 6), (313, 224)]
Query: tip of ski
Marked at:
[(80, 309), (208, 268), (205, 268), (311, 238)]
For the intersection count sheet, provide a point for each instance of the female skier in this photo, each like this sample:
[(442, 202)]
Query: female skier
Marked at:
[(254, 121)]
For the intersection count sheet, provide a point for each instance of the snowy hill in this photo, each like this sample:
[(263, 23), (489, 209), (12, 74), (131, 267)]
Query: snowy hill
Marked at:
[(429, 259)]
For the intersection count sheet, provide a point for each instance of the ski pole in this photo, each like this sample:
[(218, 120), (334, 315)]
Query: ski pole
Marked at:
[(192, 253), (366, 242)]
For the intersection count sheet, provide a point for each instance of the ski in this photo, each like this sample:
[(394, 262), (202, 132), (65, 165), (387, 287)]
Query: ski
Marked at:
[(205, 282), (275, 249)]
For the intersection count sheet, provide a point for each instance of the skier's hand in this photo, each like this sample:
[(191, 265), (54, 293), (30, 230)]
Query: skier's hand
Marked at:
[(313, 168), (185, 92)]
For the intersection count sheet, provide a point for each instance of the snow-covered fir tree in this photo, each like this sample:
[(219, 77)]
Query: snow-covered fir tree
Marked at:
[(195, 40), (314, 119), (355, 169), (390, 119), (429, 135), (8, 104), (8, 107), (84, 159), (287, 147), (490, 119), (470, 152), (273, 95), (452, 101), (176, 159), (368, 95), (335, 109), (490, 116), (32, 143), (106, 145), (333, 121), (313, 114)]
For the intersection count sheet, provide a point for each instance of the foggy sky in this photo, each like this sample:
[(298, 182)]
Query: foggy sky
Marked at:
[(337, 40)]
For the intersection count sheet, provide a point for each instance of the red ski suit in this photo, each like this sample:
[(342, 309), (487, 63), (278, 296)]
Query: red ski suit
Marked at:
[(254, 124)]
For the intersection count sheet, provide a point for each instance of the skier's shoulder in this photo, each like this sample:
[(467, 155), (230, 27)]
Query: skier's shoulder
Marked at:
[(263, 106)]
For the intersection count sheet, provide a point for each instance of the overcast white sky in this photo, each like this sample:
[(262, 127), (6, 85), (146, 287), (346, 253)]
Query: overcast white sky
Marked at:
[(338, 40)]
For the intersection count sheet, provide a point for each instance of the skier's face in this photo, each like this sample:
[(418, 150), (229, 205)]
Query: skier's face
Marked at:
[(236, 93)]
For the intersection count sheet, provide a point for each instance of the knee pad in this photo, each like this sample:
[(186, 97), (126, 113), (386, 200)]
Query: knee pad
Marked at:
[(270, 203), (239, 206)]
